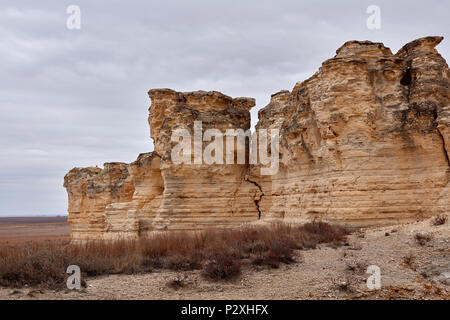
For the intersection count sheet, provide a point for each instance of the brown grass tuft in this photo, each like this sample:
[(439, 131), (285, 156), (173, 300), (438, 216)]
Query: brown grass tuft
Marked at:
[(409, 259), (422, 238), (179, 282), (439, 220), (222, 266)]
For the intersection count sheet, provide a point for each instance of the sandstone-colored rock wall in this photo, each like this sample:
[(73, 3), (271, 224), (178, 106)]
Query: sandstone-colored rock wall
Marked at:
[(92, 192), (364, 141), (200, 195)]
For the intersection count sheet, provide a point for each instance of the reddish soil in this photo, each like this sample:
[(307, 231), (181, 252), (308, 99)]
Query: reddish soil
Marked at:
[(20, 229)]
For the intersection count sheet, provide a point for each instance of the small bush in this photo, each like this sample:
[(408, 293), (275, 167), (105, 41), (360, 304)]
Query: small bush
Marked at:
[(255, 247), (322, 232), (179, 262), (439, 220), (409, 259), (422, 238), (177, 283), (280, 251), (357, 267), (222, 267)]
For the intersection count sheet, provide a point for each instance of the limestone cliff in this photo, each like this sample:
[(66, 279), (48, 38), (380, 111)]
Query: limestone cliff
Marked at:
[(95, 199), (364, 141), (200, 195)]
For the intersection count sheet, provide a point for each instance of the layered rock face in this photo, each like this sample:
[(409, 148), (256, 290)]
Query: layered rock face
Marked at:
[(96, 199), (119, 201), (364, 141), (199, 194), (153, 193)]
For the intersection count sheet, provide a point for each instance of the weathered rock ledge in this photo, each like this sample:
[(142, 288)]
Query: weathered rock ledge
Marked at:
[(364, 141)]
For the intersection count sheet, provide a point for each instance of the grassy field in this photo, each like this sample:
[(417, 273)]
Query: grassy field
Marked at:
[(220, 254)]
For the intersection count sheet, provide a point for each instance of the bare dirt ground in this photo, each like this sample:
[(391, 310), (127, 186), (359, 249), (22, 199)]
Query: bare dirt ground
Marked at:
[(20, 229), (409, 270)]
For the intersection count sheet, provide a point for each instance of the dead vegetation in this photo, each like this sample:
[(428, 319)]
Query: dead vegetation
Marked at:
[(220, 254), (408, 260), (439, 220), (422, 239), (179, 282), (223, 266), (357, 267)]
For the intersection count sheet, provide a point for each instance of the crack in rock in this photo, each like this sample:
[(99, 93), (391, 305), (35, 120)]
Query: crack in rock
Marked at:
[(257, 200)]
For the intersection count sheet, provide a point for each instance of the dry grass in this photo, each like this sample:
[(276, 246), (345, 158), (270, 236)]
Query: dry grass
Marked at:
[(422, 238), (179, 282), (219, 253), (439, 220), (222, 266), (278, 251), (409, 259)]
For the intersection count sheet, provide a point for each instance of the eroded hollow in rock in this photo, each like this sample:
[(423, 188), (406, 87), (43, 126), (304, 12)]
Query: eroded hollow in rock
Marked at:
[(406, 79)]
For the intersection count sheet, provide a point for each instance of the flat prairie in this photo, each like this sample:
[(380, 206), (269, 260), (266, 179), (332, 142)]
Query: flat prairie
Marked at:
[(413, 260), (22, 229)]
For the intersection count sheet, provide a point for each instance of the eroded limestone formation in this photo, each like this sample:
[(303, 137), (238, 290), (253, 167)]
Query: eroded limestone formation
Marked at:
[(364, 141)]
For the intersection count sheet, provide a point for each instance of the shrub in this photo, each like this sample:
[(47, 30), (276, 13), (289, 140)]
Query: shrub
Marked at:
[(280, 251), (422, 238), (222, 267), (177, 283), (179, 262), (323, 232), (439, 220), (409, 259), (255, 247)]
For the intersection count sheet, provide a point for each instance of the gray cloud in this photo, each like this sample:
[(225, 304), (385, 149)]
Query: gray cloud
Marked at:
[(79, 97)]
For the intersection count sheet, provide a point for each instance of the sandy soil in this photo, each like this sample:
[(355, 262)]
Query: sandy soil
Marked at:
[(322, 273), (19, 229)]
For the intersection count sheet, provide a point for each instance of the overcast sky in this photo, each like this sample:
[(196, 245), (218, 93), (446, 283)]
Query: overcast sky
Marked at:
[(79, 97)]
